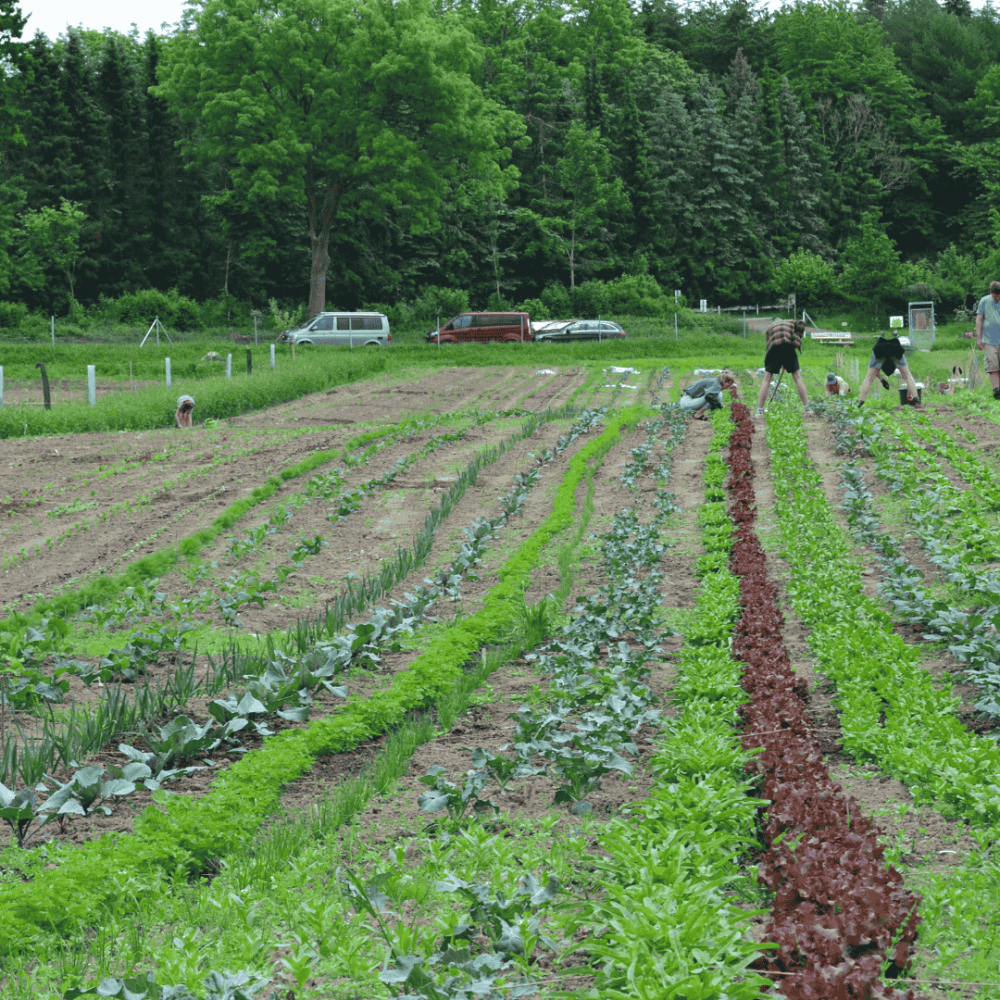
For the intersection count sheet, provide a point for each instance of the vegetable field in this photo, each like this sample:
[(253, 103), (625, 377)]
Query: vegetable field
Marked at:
[(502, 682)]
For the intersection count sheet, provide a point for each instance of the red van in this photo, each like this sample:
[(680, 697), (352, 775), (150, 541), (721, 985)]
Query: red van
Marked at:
[(481, 328)]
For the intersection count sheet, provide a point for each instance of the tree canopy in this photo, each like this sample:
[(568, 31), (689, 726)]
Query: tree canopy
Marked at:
[(361, 152), (350, 108)]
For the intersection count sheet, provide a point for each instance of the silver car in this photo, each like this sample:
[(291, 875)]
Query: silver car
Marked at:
[(565, 330), (355, 329)]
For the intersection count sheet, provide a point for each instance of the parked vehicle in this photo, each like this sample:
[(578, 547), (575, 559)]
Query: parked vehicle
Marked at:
[(565, 330), (481, 328), (355, 329)]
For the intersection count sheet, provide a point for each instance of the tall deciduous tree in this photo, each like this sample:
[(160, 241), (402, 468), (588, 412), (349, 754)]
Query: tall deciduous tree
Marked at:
[(351, 107), (872, 269), (51, 246), (584, 198)]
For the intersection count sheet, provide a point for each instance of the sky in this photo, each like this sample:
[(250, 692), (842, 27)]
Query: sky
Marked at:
[(51, 16)]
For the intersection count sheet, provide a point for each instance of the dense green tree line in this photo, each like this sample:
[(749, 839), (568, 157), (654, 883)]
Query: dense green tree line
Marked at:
[(362, 151)]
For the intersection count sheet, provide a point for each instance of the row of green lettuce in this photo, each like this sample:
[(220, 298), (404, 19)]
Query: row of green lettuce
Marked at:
[(892, 711)]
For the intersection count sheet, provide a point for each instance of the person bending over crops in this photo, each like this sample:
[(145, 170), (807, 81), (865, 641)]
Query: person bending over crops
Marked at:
[(705, 394), (887, 356), (783, 340), (185, 407)]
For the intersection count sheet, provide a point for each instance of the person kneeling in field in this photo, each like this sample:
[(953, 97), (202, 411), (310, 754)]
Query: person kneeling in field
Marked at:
[(836, 386), (705, 394), (185, 407), (887, 356)]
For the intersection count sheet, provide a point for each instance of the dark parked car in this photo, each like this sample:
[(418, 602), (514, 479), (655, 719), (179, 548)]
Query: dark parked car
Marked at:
[(483, 328), (565, 330)]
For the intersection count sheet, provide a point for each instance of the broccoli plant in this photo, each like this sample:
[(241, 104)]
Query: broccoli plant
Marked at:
[(19, 810), (509, 922), (443, 794), (181, 740), (86, 792)]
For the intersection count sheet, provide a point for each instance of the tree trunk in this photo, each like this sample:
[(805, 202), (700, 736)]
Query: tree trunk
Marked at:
[(572, 254), (321, 215)]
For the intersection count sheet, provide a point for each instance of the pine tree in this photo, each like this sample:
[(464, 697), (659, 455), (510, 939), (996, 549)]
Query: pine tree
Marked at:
[(724, 238), (122, 212), (178, 234), (631, 157), (85, 126), (45, 160), (670, 138), (11, 75), (745, 126)]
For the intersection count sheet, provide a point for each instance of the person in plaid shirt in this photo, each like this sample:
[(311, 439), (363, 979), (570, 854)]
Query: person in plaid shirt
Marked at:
[(783, 339)]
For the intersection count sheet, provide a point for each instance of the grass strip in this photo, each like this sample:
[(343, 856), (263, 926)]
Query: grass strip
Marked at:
[(217, 398), (891, 710), (183, 834)]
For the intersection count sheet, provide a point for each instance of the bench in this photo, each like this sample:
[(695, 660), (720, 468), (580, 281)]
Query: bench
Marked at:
[(837, 338)]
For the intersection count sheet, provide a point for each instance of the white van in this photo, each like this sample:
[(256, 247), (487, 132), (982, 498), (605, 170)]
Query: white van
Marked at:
[(354, 329)]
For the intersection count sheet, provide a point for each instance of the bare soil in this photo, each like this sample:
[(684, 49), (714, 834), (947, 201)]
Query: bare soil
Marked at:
[(169, 483)]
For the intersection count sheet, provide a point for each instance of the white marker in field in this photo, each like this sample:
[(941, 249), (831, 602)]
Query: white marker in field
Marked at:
[(92, 385), (229, 366), (168, 372), (272, 355)]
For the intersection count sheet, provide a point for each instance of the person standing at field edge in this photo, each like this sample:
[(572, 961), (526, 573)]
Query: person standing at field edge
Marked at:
[(783, 339), (185, 407), (988, 333)]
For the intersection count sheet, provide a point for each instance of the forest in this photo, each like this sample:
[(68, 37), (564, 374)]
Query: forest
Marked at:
[(377, 153)]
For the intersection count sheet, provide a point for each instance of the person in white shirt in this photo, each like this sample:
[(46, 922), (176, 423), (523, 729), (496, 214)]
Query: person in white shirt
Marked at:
[(836, 386), (988, 333)]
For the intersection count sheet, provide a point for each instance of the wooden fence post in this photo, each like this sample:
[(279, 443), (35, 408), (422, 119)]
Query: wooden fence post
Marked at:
[(45, 386)]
